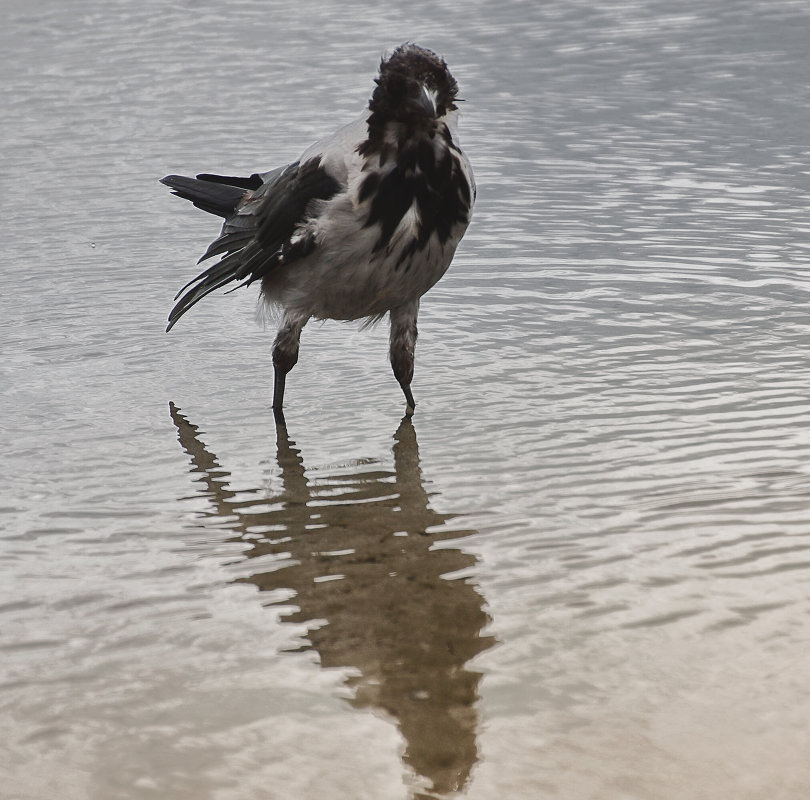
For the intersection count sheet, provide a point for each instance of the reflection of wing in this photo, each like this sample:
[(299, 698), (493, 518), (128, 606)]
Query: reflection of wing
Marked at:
[(359, 544)]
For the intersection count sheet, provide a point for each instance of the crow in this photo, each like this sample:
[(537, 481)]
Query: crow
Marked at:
[(363, 224)]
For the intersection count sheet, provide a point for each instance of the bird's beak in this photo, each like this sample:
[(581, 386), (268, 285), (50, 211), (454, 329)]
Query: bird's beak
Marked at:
[(427, 101)]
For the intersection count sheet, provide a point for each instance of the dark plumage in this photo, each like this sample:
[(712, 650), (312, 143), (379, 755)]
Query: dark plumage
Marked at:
[(363, 224)]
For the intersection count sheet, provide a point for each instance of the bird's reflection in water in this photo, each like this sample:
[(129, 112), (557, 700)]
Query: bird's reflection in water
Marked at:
[(356, 544)]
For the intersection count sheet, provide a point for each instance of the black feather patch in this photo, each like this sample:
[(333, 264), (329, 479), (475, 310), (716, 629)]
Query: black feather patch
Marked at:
[(404, 127), (437, 186), (259, 231), (286, 207), (390, 202), (254, 181), (216, 199), (370, 184)]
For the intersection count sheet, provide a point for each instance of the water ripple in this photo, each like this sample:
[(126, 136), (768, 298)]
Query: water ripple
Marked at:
[(612, 384)]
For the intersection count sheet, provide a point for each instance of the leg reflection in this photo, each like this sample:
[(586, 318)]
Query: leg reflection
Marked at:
[(357, 541)]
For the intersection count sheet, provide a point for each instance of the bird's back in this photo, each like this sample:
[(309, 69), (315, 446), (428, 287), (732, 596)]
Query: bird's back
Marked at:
[(390, 232)]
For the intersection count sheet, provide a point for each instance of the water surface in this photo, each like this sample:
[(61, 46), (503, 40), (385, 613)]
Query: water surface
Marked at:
[(580, 572)]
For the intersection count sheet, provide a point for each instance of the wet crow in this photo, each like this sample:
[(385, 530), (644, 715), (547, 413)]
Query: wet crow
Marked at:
[(362, 225)]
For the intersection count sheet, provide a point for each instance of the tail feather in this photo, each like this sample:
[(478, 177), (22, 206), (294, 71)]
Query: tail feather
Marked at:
[(252, 182), (261, 213), (216, 276), (220, 195), (215, 198), (227, 244)]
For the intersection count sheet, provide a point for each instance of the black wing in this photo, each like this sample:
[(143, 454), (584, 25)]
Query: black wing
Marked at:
[(260, 230)]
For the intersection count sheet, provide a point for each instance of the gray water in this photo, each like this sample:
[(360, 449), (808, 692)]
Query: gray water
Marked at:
[(583, 571)]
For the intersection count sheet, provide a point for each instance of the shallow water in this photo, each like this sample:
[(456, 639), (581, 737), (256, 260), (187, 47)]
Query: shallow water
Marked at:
[(580, 572)]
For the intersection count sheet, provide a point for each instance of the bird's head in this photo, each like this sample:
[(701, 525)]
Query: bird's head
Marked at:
[(414, 87)]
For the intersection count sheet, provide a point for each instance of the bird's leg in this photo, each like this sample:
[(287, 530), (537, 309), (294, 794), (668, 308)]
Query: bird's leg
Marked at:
[(402, 347), (285, 355)]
